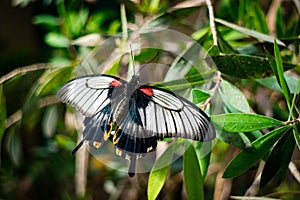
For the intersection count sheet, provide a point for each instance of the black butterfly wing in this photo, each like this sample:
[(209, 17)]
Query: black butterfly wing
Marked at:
[(91, 95), (155, 114), (169, 115)]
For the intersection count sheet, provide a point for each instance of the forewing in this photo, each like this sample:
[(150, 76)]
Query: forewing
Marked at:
[(89, 94), (165, 114)]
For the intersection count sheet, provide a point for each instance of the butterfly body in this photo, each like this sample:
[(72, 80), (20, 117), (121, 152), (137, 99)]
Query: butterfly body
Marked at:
[(140, 114)]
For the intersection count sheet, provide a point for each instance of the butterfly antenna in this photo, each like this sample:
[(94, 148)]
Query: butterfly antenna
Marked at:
[(132, 59)]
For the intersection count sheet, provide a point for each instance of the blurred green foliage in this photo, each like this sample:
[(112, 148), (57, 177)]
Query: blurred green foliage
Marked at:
[(257, 55)]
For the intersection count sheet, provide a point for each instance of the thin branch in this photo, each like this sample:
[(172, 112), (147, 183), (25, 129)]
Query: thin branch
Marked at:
[(212, 21), (213, 90), (23, 70), (253, 189), (14, 118), (294, 171), (81, 171)]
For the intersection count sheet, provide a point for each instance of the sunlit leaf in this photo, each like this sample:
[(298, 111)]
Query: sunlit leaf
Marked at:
[(52, 79), (199, 96), (46, 20), (65, 142), (160, 171), (246, 158), (58, 40), (89, 40), (252, 33), (242, 122), (233, 98), (192, 175), (204, 161)]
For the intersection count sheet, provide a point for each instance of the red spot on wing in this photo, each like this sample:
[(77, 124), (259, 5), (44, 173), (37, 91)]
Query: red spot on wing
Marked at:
[(115, 83), (147, 91)]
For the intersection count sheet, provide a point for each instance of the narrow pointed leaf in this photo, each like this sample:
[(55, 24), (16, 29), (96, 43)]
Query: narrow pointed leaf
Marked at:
[(192, 175), (199, 96), (281, 78), (279, 159), (252, 33), (203, 160), (271, 82), (172, 17), (233, 98), (244, 66), (160, 171), (51, 80), (296, 136), (2, 116), (245, 159), (241, 122), (239, 140)]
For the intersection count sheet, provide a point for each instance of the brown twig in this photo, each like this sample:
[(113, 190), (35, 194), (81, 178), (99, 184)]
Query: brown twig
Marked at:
[(23, 70), (294, 171), (253, 189), (212, 21)]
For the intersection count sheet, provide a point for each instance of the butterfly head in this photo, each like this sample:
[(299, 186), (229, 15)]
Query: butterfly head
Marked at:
[(135, 81)]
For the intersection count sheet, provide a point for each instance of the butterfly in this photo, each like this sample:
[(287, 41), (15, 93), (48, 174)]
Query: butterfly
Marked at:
[(139, 113)]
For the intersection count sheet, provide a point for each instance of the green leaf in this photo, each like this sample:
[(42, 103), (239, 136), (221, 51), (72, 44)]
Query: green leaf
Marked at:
[(172, 17), (225, 46), (244, 66), (239, 140), (2, 117), (252, 33), (160, 171), (199, 96), (233, 98), (296, 91), (57, 40), (184, 83), (192, 175), (279, 23), (64, 142), (203, 160), (296, 136), (46, 20), (241, 122), (252, 198), (52, 79), (279, 74), (279, 159), (50, 121), (259, 18), (14, 146), (245, 159), (213, 51), (271, 82)]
